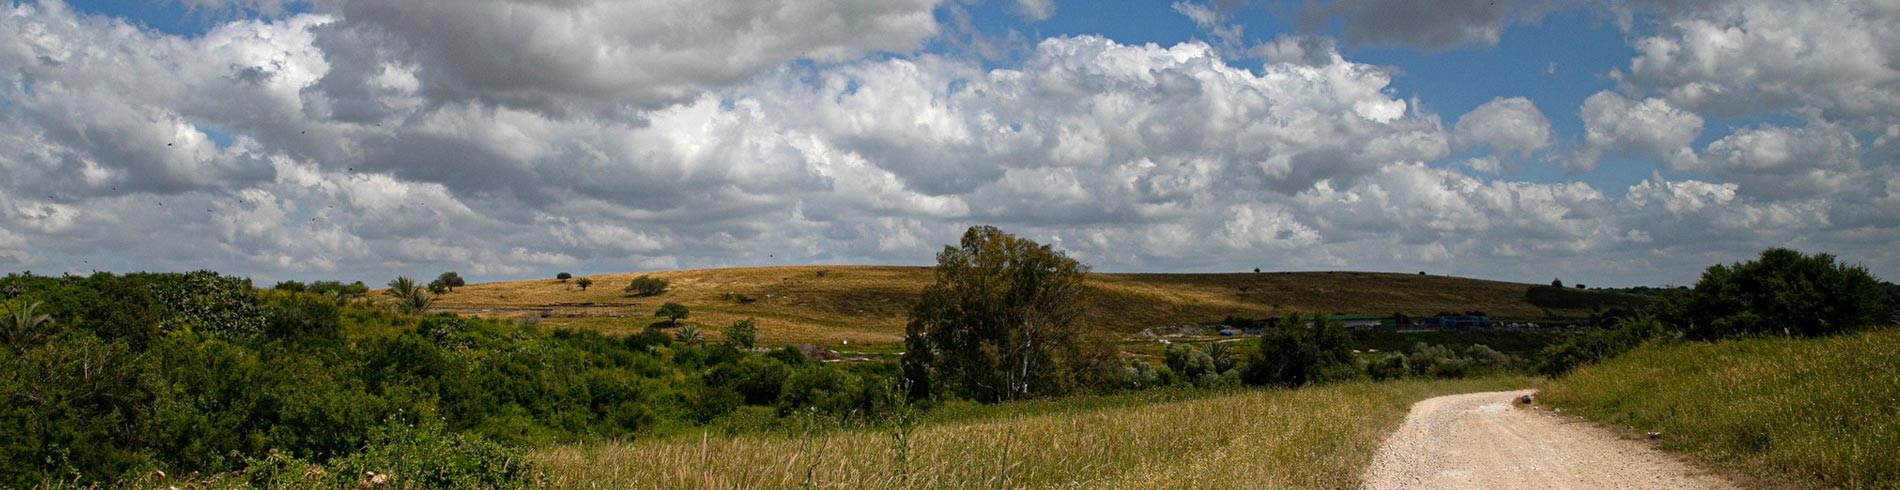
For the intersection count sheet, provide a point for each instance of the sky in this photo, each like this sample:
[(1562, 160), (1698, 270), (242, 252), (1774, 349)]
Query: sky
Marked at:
[(1604, 142)]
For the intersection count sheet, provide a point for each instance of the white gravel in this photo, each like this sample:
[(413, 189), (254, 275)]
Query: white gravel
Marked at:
[(1481, 440)]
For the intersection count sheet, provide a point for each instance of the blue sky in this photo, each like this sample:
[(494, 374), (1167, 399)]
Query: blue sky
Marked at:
[(1614, 142)]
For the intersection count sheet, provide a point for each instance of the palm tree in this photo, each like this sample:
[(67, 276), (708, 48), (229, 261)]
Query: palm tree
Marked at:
[(21, 325), (402, 287), (410, 298), (416, 303)]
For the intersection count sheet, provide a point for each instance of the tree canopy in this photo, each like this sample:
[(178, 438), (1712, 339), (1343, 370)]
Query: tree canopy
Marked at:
[(999, 322), (672, 312), (1782, 292)]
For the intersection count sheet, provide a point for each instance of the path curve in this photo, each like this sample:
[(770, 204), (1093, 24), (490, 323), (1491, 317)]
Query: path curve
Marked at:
[(1483, 440)]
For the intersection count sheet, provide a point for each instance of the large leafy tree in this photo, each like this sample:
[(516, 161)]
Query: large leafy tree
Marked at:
[(1783, 292), (999, 323)]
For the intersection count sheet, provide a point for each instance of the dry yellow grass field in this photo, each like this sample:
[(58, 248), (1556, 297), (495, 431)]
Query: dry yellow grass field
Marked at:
[(1307, 438), (868, 305)]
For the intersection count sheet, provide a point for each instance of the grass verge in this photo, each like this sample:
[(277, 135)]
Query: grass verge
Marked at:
[(1308, 438), (1773, 412)]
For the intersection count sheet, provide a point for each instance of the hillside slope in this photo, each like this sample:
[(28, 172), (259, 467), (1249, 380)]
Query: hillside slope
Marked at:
[(1775, 412), (869, 304)]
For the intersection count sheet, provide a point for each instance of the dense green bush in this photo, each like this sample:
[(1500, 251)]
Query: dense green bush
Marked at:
[(1213, 365), (1783, 292), (1444, 362), (743, 333), (1299, 350), (646, 286), (1591, 347)]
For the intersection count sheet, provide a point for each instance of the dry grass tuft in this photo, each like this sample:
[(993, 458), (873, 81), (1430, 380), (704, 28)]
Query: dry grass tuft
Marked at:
[(1309, 438)]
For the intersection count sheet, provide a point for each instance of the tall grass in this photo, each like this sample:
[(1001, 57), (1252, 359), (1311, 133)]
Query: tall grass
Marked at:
[(1794, 413), (1307, 438)]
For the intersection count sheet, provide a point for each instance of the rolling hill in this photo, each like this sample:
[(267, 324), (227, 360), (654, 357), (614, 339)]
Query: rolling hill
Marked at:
[(868, 305)]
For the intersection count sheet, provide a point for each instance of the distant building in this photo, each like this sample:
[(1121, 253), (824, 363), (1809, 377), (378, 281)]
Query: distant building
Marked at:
[(1458, 322)]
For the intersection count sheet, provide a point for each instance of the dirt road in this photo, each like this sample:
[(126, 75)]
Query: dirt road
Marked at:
[(1480, 440)]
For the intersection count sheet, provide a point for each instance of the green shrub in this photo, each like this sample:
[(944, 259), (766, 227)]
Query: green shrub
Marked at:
[(1783, 292), (1392, 366), (404, 456), (1291, 353), (743, 333), (296, 316), (1592, 347), (672, 312), (646, 286)]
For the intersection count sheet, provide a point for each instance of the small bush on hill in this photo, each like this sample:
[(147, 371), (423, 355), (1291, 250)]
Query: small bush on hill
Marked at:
[(644, 286)]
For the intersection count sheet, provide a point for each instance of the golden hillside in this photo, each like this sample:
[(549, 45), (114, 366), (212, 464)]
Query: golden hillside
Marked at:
[(868, 304)]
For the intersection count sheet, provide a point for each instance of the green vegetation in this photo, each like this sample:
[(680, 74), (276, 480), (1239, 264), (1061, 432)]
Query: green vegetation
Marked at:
[(1309, 438), (1798, 413), (107, 378), (563, 277), (1780, 389), (1783, 292), (1557, 297), (743, 334), (1445, 362), (111, 377), (688, 335), (1301, 349), (672, 312), (446, 283), (409, 298), (1517, 343), (999, 323), (583, 283), (1212, 365), (328, 289), (645, 286)]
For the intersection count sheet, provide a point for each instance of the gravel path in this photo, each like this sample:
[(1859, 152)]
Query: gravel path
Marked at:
[(1480, 440)]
